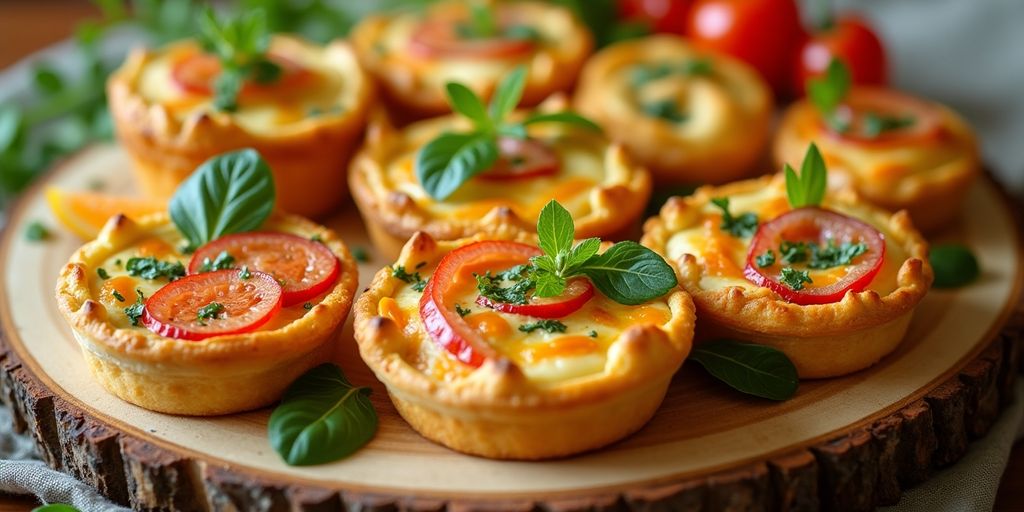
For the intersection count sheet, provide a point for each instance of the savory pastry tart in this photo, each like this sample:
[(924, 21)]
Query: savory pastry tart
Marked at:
[(223, 330), (171, 113), (898, 151), (831, 281), (690, 116), (476, 359), (452, 177), (413, 54)]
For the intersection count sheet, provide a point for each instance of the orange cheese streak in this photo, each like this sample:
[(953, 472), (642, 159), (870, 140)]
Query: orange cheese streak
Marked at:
[(632, 315), (490, 325), (718, 250), (123, 285), (388, 308), (561, 347), (154, 247)]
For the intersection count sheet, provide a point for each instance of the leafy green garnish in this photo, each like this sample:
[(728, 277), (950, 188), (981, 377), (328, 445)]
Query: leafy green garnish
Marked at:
[(223, 261), (117, 295), (36, 232), (244, 274), (152, 268), (322, 418), (102, 272), (749, 368), (490, 286), (794, 278), (417, 282), (645, 73), (461, 310), (134, 312), (307, 306), (360, 254), (807, 189), (666, 109), (551, 326), (743, 226), (55, 507), (766, 259), (209, 312), (877, 124), (592, 333), (832, 255), (793, 252), (241, 45), (229, 193), (954, 265), (828, 92), (452, 158)]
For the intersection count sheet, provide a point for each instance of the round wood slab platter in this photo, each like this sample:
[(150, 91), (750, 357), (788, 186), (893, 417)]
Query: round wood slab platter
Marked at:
[(842, 444)]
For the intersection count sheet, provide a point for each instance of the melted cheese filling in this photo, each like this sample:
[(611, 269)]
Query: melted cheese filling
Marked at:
[(724, 256), (324, 93), (544, 357), (162, 244)]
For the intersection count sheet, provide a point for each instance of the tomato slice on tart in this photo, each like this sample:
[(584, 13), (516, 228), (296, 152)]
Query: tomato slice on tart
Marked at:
[(822, 227), (197, 73), (304, 268), (521, 159), (441, 38), (874, 115), (577, 292), (218, 303)]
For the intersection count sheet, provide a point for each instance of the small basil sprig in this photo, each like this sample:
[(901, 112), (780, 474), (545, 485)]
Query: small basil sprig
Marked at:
[(627, 272), (322, 418), (954, 265), (753, 369), (451, 159), (241, 46), (229, 193), (828, 92), (807, 189)]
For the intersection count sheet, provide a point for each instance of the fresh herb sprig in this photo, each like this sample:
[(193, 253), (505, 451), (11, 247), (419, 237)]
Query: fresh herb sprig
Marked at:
[(807, 188), (742, 226), (548, 325), (134, 312), (954, 265), (152, 268), (753, 369), (827, 94), (452, 158), (223, 261), (241, 44)]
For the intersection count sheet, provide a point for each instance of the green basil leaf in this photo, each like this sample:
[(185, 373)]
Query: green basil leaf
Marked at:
[(753, 369), (954, 265), (807, 189), (507, 94), (555, 230), (229, 193), (565, 117), (548, 284), (48, 81), (827, 92), (55, 507), (630, 273), (12, 127), (514, 130), (465, 102), (322, 418), (582, 252), (448, 161)]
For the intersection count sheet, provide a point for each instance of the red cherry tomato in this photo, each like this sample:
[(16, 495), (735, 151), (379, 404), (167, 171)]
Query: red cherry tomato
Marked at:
[(305, 268), (577, 292), (245, 304), (440, 38), (850, 40), (764, 33), (818, 226), (668, 16), (863, 102), (197, 73), (519, 158)]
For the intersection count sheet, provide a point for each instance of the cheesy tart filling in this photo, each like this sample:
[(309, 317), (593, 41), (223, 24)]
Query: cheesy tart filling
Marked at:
[(514, 337)]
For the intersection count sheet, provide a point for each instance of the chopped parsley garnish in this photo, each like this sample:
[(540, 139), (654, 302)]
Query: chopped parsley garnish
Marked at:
[(546, 325), (490, 286), (134, 312), (833, 255), (244, 274), (417, 282), (645, 73), (876, 124), (317, 238), (307, 306), (36, 232), (666, 109), (152, 268), (794, 278), (793, 252), (117, 295), (461, 310), (360, 254), (223, 261), (593, 334), (118, 262), (742, 226), (102, 272), (766, 260), (209, 312)]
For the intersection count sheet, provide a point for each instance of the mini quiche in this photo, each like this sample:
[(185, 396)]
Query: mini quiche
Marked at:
[(832, 283), (413, 54), (898, 151), (475, 359), (690, 116), (224, 330), (169, 116)]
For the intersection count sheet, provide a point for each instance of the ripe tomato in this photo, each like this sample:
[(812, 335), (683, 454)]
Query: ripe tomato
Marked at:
[(849, 39), (243, 305), (667, 16), (522, 158), (440, 38), (863, 103), (197, 73), (818, 226), (577, 292), (764, 33), (305, 268)]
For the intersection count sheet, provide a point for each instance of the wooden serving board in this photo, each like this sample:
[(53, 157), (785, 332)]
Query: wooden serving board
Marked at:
[(850, 443)]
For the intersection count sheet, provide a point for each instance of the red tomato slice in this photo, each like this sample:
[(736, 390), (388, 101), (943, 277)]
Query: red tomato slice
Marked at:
[(577, 292), (440, 38), (819, 226), (246, 304), (448, 329), (522, 158), (849, 39), (304, 268), (668, 16), (862, 102), (197, 73)]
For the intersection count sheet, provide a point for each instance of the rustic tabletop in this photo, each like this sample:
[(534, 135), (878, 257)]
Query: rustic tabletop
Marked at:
[(27, 25)]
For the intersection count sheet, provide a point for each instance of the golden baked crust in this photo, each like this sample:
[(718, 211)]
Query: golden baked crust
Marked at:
[(218, 375), (603, 189), (728, 110), (496, 410), (928, 178), (415, 84), (825, 340), (168, 133)]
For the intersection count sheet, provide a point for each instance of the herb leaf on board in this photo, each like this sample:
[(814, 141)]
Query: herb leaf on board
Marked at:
[(753, 369)]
